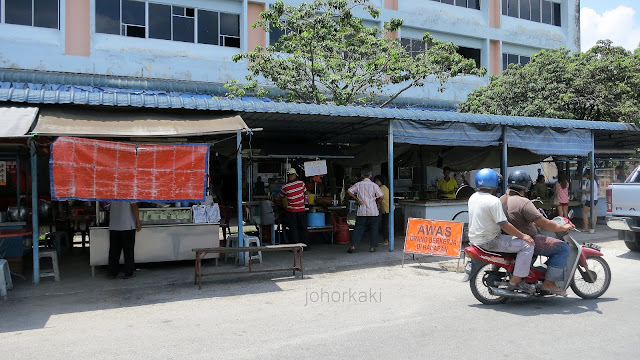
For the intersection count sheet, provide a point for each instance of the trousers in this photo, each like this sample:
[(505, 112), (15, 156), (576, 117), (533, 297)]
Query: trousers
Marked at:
[(297, 222), (558, 253), (122, 241), (511, 244), (363, 223)]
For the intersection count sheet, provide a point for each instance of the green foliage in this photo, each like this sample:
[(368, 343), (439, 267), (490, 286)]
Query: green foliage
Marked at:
[(602, 83), (327, 55)]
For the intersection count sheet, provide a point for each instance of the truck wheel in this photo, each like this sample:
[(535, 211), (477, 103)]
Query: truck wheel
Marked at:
[(632, 245)]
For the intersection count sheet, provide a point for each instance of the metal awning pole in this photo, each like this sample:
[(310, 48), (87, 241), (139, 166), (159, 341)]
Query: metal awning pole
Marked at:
[(239, 174), (34, 210), (593, 195), (390, 162), (503, 160)]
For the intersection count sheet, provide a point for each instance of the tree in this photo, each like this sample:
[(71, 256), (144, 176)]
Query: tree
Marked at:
[(327, 55), (600, 84)]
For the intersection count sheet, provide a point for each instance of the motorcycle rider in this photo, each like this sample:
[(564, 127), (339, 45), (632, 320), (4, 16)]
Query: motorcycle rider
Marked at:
[(487, 219), (525, 217)]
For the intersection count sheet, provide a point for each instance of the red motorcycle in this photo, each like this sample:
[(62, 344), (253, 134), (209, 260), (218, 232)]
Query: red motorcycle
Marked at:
[(586, 272)]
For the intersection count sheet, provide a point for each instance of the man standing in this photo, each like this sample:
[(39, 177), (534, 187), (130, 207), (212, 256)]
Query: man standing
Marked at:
[(487, 219), (384, 208), (525, 217), (123, 224), (447, 186), (366, 192), (296, 214)]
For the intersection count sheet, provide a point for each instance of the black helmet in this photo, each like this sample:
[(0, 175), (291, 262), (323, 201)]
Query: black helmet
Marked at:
[(519, 180)]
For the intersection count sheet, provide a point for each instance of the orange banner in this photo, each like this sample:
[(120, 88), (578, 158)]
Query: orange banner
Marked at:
[(434, 237), (90, 169)]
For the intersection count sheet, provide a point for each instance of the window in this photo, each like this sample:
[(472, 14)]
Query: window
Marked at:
[(544, 11), (167, 22), (470, 53), (471, 4), (413, 46), (38, 13), (514, 59)]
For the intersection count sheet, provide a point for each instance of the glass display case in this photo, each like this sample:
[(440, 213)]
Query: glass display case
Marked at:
[(165, 216)]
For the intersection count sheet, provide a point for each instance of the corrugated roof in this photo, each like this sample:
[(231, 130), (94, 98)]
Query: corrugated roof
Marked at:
[(88, 95)]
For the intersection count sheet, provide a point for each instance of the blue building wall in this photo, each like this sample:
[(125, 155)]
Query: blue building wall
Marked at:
[(26, 47)]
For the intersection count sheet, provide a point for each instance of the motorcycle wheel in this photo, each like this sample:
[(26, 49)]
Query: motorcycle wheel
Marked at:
[(479, 287), (588, 288)]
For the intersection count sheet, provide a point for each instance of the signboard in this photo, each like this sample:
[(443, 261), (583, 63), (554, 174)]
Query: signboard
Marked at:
[(313, 168), (433, 237), (3, 173), (88, 169)]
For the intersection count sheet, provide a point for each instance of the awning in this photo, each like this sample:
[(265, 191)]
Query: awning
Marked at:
[(16, 121), (546, 141), (109, 123), (447, 133)]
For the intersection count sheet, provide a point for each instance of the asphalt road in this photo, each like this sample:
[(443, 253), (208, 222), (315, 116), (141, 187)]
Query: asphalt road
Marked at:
[(419, 311)]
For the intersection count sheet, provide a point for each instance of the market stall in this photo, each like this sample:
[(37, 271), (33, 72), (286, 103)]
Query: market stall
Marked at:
[(164, 176)]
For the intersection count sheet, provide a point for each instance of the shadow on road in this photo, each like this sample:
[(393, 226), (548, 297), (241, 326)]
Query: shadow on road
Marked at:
[(547, 306), (630, 255)]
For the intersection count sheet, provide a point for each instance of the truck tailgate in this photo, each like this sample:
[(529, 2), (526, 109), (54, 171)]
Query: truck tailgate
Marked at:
[(625, 199)]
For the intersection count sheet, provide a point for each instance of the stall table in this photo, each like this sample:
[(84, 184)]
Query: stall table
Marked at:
[(157, 243), (432, 209)]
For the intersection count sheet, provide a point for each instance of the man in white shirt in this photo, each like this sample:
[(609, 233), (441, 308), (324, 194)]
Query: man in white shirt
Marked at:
[(487, 220), (366, 192)]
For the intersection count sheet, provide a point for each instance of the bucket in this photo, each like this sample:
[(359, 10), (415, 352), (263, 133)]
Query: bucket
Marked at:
[(342, 230), (315, 219)]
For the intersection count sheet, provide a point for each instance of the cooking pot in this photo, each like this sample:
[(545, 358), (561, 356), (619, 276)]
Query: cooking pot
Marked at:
[(44, 209), (16, 213)]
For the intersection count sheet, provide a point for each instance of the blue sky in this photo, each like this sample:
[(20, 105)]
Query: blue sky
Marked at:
[(617, 20)]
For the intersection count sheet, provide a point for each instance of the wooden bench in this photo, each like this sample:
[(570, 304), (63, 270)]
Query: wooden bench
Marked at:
[(297, 259)]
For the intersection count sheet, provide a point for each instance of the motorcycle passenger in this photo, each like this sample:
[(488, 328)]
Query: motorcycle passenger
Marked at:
[(525, 217), (487, 219)]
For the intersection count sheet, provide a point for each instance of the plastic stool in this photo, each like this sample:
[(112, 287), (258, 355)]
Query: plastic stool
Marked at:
[(55, 272), (5, 279), (232, 241), (252, 241)]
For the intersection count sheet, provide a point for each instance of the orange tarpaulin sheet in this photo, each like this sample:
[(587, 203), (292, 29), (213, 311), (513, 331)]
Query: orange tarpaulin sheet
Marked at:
[(88, 169)]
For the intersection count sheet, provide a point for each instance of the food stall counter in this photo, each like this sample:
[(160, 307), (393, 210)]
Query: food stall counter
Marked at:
[(432, 209), (167, 234)]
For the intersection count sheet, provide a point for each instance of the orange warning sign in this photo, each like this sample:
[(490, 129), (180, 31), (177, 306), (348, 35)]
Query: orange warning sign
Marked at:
[(434, 237)]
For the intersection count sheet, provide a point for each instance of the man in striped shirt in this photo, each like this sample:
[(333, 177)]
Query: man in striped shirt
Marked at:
[(366, 192), (296, 214)]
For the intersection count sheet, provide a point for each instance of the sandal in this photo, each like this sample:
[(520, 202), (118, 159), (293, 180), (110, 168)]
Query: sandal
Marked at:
[(372, 250), (351, 250)]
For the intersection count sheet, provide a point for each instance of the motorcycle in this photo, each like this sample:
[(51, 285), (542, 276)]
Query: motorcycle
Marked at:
[(586, 272)]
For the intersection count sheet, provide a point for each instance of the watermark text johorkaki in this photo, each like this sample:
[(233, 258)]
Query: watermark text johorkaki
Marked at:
[(349, 295)]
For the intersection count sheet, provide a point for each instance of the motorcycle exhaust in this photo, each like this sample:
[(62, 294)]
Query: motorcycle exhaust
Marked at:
[(507, 293)]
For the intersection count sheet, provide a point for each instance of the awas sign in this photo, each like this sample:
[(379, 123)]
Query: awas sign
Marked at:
[(433, 237)]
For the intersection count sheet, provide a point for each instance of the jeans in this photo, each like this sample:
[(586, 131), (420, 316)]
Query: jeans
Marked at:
[(384, 225), (558, 253), (121, 241), (511, 244), (363, 223), (297, 222)]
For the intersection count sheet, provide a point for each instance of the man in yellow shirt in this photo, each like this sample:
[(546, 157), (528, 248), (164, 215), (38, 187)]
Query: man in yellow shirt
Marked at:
[(448, 186), (383, 204)]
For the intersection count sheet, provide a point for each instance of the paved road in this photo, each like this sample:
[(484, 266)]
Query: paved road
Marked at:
[(419, 311)]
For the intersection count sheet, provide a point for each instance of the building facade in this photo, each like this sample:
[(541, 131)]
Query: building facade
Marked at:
[(194, 40)]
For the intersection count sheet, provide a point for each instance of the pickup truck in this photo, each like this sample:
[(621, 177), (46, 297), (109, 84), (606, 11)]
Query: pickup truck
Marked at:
[(623, 209)]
